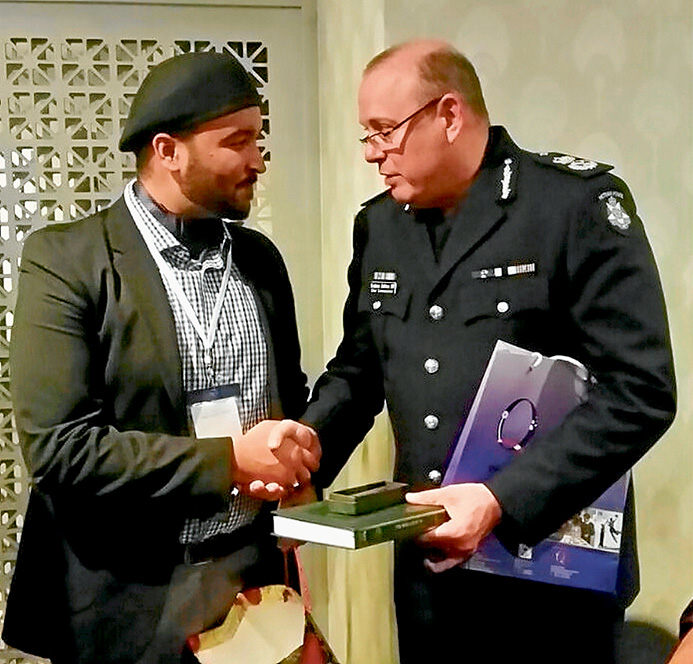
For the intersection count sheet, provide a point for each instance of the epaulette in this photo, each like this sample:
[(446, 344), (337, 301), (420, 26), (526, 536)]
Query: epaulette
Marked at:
[(569, 164), (375, 198)]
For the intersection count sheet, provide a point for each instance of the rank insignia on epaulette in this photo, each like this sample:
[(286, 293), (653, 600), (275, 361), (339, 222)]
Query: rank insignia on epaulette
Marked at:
[(615, 213), (575, 163), (567, 162), (582, 164)]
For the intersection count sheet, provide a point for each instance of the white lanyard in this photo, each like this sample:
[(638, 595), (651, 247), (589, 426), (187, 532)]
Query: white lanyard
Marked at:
[(169, 276)]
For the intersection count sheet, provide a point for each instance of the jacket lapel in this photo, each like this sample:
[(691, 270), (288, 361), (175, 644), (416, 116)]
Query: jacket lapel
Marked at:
[(263, 306), (475, 220), (409, 237), (482, 212), (250, 270), (135, 267)]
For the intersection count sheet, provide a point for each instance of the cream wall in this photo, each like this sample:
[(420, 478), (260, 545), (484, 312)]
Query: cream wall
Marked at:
[(608, 80)]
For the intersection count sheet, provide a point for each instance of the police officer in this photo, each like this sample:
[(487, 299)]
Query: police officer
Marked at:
[(477, 240)]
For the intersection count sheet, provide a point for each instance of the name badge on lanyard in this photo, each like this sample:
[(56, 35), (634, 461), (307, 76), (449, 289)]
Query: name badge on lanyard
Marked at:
[(214, 412)]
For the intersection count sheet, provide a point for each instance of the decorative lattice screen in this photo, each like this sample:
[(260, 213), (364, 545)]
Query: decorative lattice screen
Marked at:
[(62, 106)]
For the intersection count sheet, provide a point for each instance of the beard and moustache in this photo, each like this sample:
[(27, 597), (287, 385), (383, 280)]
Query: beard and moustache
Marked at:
[(200, 187)]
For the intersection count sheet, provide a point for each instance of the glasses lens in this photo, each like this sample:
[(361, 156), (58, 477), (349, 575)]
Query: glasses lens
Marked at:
[(374, 140), (381, 139)]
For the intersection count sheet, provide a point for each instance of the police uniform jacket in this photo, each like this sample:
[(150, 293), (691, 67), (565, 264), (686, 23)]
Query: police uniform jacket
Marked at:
[(418, 333)]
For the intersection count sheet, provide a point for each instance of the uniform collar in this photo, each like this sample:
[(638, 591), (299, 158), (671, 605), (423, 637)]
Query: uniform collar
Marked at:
[(499, 147)]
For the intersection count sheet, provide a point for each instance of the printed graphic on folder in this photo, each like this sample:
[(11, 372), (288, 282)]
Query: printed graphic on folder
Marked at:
[(523, 395)]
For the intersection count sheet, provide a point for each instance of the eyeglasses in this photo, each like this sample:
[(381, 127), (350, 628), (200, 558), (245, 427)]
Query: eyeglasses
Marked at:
[(381, 139)]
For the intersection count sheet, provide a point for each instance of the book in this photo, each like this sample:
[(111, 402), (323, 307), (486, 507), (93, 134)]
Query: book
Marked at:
[(317, 522), (522, 396)]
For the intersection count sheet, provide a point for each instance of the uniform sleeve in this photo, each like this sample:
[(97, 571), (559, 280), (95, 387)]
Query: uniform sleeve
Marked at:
[(348, 396), (617, 326), (65, 421)]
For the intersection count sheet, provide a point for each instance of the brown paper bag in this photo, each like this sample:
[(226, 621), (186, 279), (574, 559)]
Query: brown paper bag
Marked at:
[(268, 625)]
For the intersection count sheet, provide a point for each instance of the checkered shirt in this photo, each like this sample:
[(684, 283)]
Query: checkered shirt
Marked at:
[(239, 353)]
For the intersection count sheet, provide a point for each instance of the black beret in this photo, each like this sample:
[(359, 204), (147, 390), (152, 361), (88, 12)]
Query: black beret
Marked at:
[(185, 91)]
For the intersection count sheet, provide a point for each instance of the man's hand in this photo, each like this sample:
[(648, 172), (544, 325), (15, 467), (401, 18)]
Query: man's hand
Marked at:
[(474, 512), (274, 457), (301, 496), (288, 439)]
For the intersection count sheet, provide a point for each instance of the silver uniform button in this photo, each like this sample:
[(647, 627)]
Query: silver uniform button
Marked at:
[(377, 304), (431, 365), (431, 422), (436, 312), (435, 476), (502, 307)]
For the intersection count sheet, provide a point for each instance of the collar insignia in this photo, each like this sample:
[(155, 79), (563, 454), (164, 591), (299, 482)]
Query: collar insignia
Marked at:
[(506, 186)]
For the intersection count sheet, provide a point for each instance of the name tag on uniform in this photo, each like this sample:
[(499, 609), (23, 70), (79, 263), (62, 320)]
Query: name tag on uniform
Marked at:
[(214, 412), (384, 283)]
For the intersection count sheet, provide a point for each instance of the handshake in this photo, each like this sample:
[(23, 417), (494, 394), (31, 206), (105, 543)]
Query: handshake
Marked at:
[(274, 458)]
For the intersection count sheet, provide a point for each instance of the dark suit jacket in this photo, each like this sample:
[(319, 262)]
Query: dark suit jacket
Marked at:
[(98, 399), (593, 293)]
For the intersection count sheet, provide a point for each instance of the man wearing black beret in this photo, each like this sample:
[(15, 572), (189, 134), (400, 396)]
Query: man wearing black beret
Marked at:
[(151, 343)]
